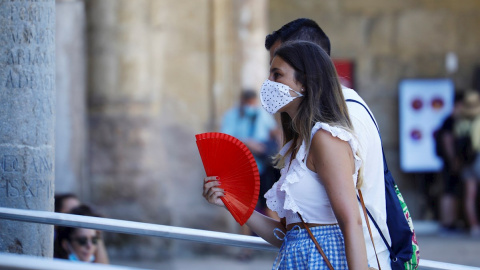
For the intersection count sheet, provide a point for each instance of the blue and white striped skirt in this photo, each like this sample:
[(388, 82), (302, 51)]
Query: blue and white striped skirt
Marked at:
[(298, 250)]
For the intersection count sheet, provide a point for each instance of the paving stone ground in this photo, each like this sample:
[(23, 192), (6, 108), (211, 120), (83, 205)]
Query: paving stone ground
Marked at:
[(457, 249)]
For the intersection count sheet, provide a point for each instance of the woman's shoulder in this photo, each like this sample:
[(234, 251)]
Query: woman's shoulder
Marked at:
[(326, 136), (325, 139), (333, 131)]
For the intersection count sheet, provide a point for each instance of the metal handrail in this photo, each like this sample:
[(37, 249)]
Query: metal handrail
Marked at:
[(10, 261), (147, 229), (136, 228)]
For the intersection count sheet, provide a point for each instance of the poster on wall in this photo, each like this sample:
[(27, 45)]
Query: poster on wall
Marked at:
[(423, 105), (345, 71)]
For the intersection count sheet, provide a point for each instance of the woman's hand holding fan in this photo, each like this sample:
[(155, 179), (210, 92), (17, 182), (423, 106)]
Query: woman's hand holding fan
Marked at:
[(212, 192), (227, 158)]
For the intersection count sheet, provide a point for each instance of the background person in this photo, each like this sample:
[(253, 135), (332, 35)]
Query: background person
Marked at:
[(451, 171), (467, 132), (77, 244), (65, 203), (258, 130)]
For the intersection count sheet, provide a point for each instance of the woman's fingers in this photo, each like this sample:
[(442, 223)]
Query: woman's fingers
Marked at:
[(210, 178), (214, 196), (208, 184), (211, 190), (215, 192)]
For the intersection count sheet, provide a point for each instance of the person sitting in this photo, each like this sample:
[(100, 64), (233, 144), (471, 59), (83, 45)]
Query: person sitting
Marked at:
[(65, 202), (77, 244)]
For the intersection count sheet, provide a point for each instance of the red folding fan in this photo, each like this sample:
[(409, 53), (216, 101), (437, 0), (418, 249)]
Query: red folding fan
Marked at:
[(228, 158)]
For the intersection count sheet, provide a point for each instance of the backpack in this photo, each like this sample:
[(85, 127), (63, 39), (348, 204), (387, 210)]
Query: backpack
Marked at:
[(404, 250)]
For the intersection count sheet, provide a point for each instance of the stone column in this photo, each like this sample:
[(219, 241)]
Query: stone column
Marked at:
[(253, 27), (27, 115), (225, 59), (124, 75), (70, 124)]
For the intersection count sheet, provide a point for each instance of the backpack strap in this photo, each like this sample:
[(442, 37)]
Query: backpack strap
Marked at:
[(385, 168)]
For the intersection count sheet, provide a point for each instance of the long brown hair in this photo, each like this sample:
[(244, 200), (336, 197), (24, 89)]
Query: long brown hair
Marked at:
[(322, 100)]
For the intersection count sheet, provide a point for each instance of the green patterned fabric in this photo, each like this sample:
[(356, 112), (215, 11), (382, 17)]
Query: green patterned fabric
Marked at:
[(413, 263)]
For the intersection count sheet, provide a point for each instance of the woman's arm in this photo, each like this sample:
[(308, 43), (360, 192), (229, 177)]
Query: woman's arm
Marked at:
[(332, 159), (101, 255), (262, 225)]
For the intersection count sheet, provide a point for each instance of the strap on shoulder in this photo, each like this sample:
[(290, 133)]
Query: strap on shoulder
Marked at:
[(385, 168), (385, 165)]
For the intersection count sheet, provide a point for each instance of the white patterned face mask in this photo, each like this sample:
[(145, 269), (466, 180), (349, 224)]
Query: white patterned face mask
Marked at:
[(275, 95)]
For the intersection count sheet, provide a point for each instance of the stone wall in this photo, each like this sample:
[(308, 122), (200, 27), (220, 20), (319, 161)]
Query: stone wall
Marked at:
[(390, 41), (160, 72), (70, 125)]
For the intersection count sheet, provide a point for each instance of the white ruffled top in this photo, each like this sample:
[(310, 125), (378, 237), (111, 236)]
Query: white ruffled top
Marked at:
[(299, 190)]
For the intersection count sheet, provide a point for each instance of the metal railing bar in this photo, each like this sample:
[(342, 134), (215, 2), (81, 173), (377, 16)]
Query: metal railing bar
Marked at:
[(24, 262), (434, 265), (136, 228), (146, 229)]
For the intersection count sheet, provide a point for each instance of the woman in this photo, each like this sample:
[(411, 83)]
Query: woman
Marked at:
[(77, 244), (319, 161)]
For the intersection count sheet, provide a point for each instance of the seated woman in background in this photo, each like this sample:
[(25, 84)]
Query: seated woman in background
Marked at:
[(77, 244)]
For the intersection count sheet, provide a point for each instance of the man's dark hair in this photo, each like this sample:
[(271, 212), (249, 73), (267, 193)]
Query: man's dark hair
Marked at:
[(299, 29), (248, 94)]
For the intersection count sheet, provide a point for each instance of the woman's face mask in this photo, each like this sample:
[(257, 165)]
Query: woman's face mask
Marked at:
[(73, 257), (275, 95), (249, 110)]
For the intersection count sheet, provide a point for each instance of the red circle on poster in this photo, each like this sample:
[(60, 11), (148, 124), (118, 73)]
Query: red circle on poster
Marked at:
[(437, 103), (417, 104), (416, 135)]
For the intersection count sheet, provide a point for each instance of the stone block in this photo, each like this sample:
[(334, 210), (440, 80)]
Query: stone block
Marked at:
[(450, 5), (348, 37), (434, 30), (372, 7), (424, 66), (70, 125), (380, 35), (467, 32), (322, 12)]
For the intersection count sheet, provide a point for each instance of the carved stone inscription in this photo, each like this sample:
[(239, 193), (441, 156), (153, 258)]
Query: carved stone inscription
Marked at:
[(27, 175), (28, 30), (27, 72)]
